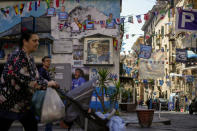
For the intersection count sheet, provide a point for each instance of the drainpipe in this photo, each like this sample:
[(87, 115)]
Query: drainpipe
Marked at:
[(34, 24)]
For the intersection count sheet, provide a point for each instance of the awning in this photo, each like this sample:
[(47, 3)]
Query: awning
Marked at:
[(40, 24)]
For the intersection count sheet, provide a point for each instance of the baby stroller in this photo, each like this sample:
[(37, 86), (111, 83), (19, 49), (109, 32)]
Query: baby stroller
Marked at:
[(77, 105)]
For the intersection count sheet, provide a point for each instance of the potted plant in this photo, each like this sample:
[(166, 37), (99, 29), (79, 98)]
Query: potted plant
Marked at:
[(145, 117), (125, 96), (103, 82), (115, 93)]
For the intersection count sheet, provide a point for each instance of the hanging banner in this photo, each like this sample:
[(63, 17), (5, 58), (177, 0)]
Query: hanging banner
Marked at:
[(181, 55), (145, 51), (130, 19), (161, 82), (128, 70), (186, 20), (168, 83), (152, 68), (139, 20)]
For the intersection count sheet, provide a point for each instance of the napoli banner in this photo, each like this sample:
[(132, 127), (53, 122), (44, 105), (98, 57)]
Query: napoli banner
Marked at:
[(145, 51), (152, 68), (186, 20), (161, 82), (181, 55)]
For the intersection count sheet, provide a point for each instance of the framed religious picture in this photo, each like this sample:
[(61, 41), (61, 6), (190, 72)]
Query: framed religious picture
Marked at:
[(98, 51)]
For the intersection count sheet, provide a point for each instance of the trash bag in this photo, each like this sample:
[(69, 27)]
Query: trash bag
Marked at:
[(53, 108), (37, 102), (116, 124)]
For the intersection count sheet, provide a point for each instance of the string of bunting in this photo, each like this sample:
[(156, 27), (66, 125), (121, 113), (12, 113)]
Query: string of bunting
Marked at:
[(160, 13), (30, 5), (20, 8)]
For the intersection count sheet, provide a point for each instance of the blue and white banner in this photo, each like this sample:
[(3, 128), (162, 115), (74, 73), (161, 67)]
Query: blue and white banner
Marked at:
[(152, 68), (168, 83), (186, 20), (161, 82), (181, 55), (145, 51), (189, 78), (128, 70)]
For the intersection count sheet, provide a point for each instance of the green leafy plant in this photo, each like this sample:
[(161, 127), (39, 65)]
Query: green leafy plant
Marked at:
[(116, 93), (104, 79), (126, 94)]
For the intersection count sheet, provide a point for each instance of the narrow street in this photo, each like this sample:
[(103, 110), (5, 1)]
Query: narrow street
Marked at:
[(104, 61), (179, 122)]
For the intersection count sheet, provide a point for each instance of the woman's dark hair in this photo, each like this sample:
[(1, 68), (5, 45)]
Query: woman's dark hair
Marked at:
[(81, 71), (25, 35)]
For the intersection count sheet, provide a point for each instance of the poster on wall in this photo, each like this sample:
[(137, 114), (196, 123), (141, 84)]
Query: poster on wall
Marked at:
[(79, 76), (89, 23), (93, 73), (110, 22), (77, 55), (62, 46), (51, 11), (63, 15), (98, 51)]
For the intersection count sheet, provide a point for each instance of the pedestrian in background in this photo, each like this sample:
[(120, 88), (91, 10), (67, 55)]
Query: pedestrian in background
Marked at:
[(148, 103), (177, 104), (19, 81), (44, 73)]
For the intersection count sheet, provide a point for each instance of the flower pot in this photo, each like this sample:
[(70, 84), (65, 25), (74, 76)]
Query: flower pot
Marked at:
[(145, 117)]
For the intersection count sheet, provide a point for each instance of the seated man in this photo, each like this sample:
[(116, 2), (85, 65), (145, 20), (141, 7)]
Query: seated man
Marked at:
[(78, 79)]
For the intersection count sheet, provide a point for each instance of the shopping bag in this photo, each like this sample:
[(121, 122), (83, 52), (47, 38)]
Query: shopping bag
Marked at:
[(37, 102), (116, 124), (53, 108)]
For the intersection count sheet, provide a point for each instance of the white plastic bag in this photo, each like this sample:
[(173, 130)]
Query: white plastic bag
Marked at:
[(116, 124), (53, 108)]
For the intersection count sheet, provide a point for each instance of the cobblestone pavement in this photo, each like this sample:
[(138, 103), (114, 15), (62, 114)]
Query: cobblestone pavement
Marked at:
[(179, 122)]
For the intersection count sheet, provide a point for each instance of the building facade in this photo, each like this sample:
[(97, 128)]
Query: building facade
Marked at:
[(163, 36), (76, 34)]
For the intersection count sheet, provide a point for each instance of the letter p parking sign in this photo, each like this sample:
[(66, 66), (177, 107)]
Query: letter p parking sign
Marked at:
[(186, 20)]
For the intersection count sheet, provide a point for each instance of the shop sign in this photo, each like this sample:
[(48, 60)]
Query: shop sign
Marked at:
[(186, 20)]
